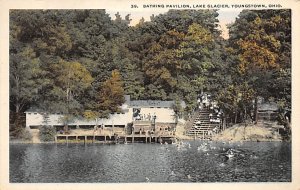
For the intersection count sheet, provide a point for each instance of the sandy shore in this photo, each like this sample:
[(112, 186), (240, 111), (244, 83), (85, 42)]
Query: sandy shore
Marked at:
[(251, 132)]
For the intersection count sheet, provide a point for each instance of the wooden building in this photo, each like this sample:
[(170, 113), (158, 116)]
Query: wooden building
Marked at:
[(267, 111), (137, 116)]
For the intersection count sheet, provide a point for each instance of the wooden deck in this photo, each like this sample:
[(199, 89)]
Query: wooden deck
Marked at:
[(133, 138)]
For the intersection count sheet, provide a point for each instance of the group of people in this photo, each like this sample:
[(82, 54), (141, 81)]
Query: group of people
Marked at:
[(98, 129), (215, 111), (145, 117), (160, 130), (204, 101)]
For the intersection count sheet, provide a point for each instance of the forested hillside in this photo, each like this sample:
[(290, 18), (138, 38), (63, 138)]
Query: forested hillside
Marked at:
[(82, 62)]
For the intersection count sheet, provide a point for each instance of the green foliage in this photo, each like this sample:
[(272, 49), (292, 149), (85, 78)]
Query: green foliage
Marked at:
[(133, 82), (66, 119), (90, 115), (236, 99), (177, 108), (180, 62), (26, 135), (111, 95), (259, 48), (82, 62), (25, 70), (70, 81), (47, 133)]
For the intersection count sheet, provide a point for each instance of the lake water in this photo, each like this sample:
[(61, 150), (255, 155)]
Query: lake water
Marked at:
[(97, 163)]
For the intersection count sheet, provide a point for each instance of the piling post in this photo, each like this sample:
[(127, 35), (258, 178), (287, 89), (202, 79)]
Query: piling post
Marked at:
[(67, 139), (85, 139), (55, 139)]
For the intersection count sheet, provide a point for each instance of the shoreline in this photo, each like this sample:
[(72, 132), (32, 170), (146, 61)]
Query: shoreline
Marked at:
[(181, 139), (236, 133), (253, 133)]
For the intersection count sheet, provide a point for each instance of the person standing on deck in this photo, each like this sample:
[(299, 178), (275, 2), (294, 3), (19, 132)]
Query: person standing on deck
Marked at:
[(95, 130)]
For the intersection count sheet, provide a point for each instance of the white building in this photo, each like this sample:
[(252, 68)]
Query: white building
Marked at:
[(34, 119), (136, 110)]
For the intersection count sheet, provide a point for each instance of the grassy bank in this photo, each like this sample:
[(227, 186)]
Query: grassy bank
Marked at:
[(250, 132), (180, 131)]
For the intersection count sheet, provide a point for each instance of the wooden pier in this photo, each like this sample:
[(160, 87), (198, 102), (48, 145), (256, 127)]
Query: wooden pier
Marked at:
[(116, 139)]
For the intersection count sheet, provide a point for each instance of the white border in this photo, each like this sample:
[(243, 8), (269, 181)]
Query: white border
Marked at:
[(124, 5)]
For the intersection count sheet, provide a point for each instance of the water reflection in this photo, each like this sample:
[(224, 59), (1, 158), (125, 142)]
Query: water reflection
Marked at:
[(264, 161)]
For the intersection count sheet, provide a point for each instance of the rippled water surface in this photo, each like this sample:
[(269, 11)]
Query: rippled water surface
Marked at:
[(51, 163)]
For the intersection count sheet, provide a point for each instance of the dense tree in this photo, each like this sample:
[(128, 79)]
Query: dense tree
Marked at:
[(82, 62), (111, 95), (70, 83), (261, 54)]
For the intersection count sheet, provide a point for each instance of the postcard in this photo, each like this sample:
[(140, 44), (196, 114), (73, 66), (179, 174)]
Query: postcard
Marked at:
[(149, 94)]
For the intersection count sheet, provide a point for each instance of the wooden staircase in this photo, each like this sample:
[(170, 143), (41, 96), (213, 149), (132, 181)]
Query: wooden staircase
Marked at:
[(189, 124), (202, 127)]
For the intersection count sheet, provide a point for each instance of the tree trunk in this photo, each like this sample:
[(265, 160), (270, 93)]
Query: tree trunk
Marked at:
[(235, 118), (255, 110), (223, 123), (288, 127), (245, 115), (16, 118), (245, 121)]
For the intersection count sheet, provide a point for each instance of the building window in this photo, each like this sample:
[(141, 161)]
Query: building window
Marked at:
[(29, 113), (35, 113)]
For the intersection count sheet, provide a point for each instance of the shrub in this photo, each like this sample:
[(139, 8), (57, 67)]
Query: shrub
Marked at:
[(47, 133), (26, 135)]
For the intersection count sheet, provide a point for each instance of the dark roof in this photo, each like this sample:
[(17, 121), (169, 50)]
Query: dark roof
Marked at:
[(272, 106), (34, 109), (151, 103), (134, 103)]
